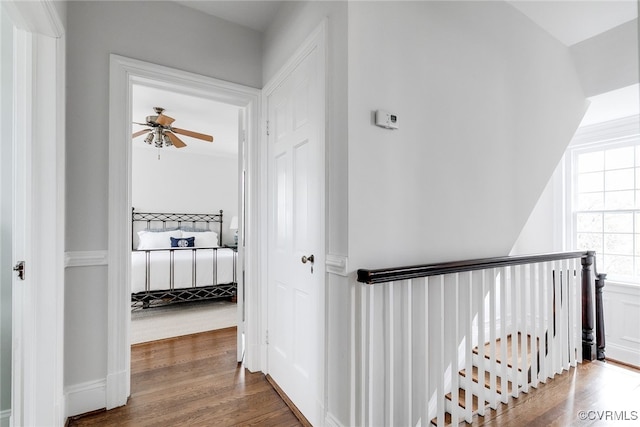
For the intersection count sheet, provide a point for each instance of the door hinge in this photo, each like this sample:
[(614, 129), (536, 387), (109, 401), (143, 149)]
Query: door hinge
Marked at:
[(19, 267), (266, 337), (267, 127)]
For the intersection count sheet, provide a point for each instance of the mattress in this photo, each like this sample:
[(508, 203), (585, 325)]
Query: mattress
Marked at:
[(212, 267)]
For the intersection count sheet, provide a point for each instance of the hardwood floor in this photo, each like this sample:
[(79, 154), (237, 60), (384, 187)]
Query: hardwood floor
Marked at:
[(194, 381), (580, 397)]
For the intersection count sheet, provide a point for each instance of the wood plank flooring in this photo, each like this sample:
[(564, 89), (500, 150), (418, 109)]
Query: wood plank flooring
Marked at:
[(194, 381), (591, 386)]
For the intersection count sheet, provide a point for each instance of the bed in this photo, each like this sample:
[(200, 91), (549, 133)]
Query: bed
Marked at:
[(178, 258)]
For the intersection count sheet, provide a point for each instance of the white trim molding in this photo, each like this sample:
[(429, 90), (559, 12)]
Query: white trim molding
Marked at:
[(86, 258), (85, 397), (337, 264), (124, 73)]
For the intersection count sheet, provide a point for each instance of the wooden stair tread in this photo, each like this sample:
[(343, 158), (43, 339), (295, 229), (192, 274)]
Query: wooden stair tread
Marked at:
[(462, 401), (487, 379), (487, 347)]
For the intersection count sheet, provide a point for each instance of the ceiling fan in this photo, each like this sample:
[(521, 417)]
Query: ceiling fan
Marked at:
[(162, 133)]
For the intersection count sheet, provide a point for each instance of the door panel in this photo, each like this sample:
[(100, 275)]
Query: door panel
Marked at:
[(296, 229)]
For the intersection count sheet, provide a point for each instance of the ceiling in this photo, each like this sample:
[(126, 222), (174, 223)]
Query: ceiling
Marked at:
[(574, 21), (255, 14), (192, 113)]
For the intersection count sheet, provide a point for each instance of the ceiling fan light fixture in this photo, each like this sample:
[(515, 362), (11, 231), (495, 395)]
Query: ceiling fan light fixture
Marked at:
[(149, 138), (158, 138), (167, 141)]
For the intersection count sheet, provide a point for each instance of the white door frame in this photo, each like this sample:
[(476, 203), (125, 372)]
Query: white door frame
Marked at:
[(124, 72), (37, 396), (316, 40)]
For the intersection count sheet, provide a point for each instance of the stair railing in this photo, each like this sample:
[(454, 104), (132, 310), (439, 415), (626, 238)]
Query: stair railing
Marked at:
[(443, 342)]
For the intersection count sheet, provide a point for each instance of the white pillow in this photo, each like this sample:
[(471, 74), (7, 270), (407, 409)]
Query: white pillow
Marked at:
[(157, 239), (204, 239)]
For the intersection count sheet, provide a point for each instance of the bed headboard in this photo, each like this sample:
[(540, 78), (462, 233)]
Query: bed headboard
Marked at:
[(162, 220)]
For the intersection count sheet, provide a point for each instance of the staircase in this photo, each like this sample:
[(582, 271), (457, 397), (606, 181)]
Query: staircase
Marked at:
[(517, 367), (443, 344)]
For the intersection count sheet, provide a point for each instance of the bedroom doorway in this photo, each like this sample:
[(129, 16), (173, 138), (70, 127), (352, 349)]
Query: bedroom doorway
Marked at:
[(124, 75), (188, 192)]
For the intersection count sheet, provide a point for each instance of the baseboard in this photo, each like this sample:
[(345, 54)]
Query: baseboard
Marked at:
[(299, 415), (86, 397), (331, 421), (622, 354), (5, 418)]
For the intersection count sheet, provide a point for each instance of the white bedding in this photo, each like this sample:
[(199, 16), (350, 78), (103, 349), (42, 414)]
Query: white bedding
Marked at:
[(183, 264)]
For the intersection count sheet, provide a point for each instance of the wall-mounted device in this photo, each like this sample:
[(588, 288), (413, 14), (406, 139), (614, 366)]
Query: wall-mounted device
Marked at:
[(386, 120)]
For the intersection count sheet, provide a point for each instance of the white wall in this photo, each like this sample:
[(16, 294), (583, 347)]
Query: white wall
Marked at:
[(164, 33), (487, 103), (185, 183)]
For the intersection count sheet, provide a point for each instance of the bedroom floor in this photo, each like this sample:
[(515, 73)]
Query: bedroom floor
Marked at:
[(187, 318)]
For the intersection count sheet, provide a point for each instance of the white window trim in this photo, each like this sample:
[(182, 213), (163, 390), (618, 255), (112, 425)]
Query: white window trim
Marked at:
[(617, 132)]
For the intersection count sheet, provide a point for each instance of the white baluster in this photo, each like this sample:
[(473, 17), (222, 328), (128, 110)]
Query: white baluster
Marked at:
[(503, 335), (564, 354), (468, 351), (574, 310), (524, 336), (515, 333), (534, 283), (493, 336), (543, 285), (455, 408), (408, 350), (424, 401), (389, 353), (440, 393), (481, 343)]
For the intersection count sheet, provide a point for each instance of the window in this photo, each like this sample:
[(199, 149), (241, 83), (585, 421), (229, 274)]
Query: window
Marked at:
[(605, 197)]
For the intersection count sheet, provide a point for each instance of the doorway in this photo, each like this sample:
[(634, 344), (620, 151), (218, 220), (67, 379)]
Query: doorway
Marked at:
[(125, 73), (175, 293)]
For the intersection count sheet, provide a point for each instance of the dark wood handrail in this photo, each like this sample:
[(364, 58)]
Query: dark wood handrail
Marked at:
[(383, 275)]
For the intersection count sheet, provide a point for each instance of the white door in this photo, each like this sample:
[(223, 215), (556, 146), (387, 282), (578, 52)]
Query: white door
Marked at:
[(32, 121), (295, 330)]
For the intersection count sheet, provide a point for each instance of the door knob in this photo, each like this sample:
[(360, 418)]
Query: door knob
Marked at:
[(309, 258)]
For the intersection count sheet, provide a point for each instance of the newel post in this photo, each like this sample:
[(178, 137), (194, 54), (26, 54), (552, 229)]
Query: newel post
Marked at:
[(600, 342), (587, 306)]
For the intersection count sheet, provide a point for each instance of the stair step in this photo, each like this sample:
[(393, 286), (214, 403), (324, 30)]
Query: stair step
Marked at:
[(487, 348), (462, 401), (487, 380)]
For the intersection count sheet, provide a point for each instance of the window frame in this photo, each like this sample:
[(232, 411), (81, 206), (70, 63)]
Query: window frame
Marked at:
[(619, 133)]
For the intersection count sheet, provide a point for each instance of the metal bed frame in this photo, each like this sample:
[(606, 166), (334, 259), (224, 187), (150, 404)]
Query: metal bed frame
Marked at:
[(149, 298)]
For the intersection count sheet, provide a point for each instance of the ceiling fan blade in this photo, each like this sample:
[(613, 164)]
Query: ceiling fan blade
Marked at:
[(193, 134), (142, 124), (164, 120), (140, 132), (175, 140)]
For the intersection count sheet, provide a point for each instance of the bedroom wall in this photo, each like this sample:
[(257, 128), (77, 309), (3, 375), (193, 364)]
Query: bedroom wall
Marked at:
[(159, 32), (185, 183)]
